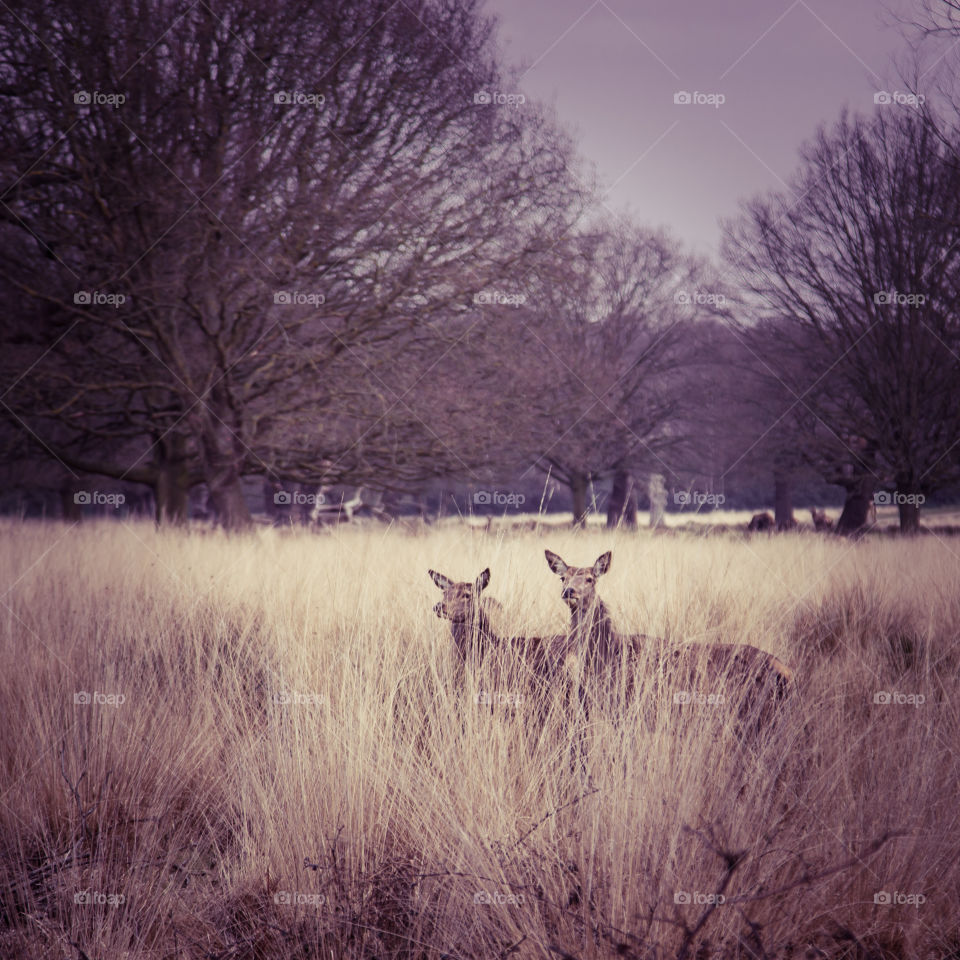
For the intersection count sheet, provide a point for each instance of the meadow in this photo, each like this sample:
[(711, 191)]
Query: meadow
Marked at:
[(256, 746)]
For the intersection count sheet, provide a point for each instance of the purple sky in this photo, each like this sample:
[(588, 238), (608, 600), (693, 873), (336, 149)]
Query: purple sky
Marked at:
[(611, 68)]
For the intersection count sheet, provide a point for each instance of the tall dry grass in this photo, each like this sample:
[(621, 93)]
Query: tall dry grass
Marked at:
[(276, 761)]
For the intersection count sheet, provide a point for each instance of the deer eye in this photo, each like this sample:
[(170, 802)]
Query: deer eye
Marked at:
[(589, 579)]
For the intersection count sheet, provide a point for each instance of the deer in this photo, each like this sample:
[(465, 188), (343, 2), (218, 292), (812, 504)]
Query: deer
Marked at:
[(593, 635), (761, 523), (473, 635), (462, 607), (820, 519), (591, 626), (547, 659)]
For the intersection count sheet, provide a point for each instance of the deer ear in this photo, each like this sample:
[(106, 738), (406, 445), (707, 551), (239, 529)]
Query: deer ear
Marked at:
[(603, 564), (481, 582), (555, 563), (440, 580)]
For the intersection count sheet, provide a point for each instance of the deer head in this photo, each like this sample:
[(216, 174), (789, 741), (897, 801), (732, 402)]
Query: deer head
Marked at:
[(461, 601), (579, 583)]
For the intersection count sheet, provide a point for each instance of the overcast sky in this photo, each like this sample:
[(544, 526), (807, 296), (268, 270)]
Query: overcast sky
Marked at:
[(611, 69)]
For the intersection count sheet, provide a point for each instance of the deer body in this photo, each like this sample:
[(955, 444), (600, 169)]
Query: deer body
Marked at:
[(592, 634), (474, 637), (599, 644), (461, 606), (761, 523), (820, 519)]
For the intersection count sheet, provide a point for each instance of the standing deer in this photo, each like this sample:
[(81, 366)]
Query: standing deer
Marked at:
[(591, 628), (462, 607), (473, 635), (545, 659), (594, 637), (820, 519)]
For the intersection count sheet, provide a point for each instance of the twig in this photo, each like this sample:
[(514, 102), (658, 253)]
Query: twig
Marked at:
[(80, 951), (553, 813), (809, 878)]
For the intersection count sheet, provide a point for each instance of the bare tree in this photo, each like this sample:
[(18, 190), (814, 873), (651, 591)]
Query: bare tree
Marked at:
[(734, 425), (232, 217), (597, 350), (854, 280)]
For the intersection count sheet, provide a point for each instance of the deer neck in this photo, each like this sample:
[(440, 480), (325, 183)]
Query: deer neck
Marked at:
[(593, 624), (473, 635)]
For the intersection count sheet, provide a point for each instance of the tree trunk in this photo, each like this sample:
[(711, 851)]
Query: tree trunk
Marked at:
[(72, 511), (229, 503), (171, 480), (277, 502), (783, 501), (657, 491), (622, 505), (171, 492), (909, 517), (856, 507), (908, 505), (222, 460), (578, 488)]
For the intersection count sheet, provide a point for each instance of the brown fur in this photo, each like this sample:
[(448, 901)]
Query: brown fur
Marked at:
[(598, 643), (761, 523), (820, 519), (591, 628), (474, 637)]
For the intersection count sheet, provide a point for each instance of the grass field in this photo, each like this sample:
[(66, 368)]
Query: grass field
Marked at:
[(255, 746)]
